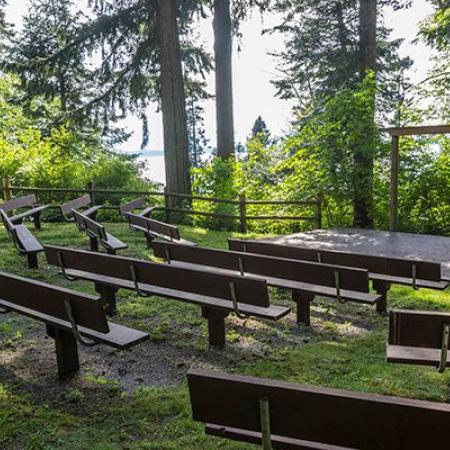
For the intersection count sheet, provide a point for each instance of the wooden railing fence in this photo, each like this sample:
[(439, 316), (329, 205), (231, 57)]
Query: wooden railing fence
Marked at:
[(241, 204)]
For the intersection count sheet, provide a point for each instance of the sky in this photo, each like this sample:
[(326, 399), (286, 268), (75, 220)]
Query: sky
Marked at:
[(254, 69)]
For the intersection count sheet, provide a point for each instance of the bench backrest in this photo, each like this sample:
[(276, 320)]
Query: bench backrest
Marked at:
[(87, 224), (80, 202), (20, 202), (331, 417), (6, 221), (308, 272), (417, 328), (49, 300), (248, 290), (155, 226), (134, 204), (396, 267)]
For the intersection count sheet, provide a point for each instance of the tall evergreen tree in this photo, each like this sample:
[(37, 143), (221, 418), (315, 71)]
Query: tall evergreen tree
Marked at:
[(227, 16), (223, 48), (198, 142), (334, 45), (48, 27), (136, 49), (260, 131)]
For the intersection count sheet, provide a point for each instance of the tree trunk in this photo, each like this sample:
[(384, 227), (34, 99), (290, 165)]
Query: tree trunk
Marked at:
[(173, 101), (363, 206), (223, 48)]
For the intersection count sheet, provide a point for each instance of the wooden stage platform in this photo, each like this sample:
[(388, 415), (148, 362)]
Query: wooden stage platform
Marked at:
[(380, 243)]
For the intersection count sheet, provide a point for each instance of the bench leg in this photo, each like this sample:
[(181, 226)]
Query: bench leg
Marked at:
[(303, 301), (216, 326), (149, 240), (37, 221), (108, 296), (381, 287), (66, 352), (33, 262), (93, 243), (110, 251)]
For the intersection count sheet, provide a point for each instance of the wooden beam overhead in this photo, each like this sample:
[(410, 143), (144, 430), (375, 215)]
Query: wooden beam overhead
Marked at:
[(419, 130)]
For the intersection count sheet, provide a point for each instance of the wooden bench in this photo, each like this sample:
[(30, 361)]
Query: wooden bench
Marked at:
[(288, 416), (304, 279), (97, 234), (138, 203), (382, 271), (218, 295), (81, 204), (24, 241), (419, 337), (153, 229), (71, 318), (28, 201)]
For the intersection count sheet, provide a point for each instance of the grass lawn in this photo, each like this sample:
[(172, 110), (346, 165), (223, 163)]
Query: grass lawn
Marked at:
[(139, 400)]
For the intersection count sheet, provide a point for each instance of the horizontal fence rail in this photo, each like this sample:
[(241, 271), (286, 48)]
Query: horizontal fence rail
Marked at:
[(242, 217)]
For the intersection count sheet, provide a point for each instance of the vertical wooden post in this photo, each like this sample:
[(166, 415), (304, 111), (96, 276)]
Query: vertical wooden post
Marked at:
[(167, 204), (381, 288), (319, 201), (66, 352), (243, 212), (7, 195), (395, 157), (216, 325), (91, 190)]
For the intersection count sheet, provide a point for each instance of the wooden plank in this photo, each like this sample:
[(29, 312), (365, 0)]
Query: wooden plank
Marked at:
[(26, 240), (113, 243), (154, 226), (278, 442), (417, 328), (417, 130), (319, 415), (414, 355), (92, 211), (395, 167), (249, 290), (77, 203), (137, 203), (118, 336), (392, 267), (268, 266), (28, 213), (48, 299), (283, 283), (20, 202), (272, 312)]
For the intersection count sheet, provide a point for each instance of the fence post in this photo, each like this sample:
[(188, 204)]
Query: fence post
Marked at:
[(319, 201), (167, 204), (91, 190), (7, 195), (243, 212)]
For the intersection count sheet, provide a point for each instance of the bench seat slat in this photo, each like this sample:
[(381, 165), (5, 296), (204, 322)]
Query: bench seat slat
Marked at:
[(26, 240), (92, 210), (28, 213), (324, 291), (413, 355), (114, 243), (271, 312), (119, 337), (278, 442), (428, 284)]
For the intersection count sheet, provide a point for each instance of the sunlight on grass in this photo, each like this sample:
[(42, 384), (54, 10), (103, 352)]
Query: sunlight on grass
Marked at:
[(345, 348)]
